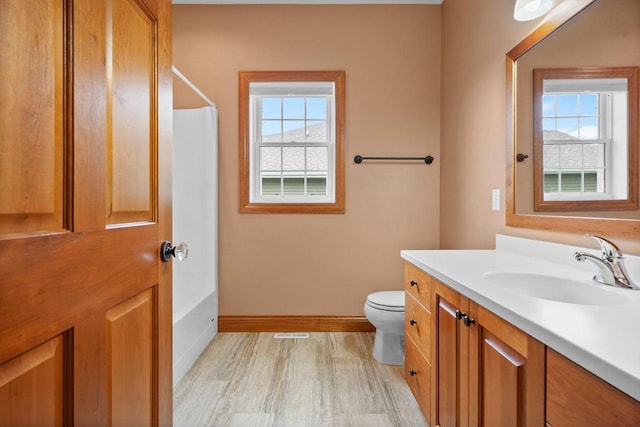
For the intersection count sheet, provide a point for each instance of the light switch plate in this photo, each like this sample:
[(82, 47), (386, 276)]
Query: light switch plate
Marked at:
[(495, 199)]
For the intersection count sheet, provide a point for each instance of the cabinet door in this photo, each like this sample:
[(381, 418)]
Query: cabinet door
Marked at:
[(576, 397), (506, 373), (451, 400)]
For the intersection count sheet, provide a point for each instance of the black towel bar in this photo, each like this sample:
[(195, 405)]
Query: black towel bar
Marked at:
[(428, 159)]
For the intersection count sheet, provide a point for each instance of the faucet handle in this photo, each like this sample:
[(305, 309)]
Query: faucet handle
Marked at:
[(609, 249)]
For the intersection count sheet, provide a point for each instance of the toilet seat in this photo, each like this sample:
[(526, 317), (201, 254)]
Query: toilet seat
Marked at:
[(386, 301)]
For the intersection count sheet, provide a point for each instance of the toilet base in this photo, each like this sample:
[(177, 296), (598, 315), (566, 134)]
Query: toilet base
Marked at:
[(388, 348)]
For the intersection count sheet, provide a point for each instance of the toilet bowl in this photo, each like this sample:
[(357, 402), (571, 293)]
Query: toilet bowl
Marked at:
[(385, 311)]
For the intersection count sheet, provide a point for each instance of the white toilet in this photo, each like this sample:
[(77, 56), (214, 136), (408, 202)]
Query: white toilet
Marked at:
[(385, 311)]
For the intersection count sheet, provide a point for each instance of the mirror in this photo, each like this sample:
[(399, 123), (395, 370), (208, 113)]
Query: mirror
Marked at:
[(560, 174)]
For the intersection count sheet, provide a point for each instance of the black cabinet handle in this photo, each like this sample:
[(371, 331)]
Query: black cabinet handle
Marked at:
[(460, 315), (468, 321), (412, 372), (413, 283), (412, 322)]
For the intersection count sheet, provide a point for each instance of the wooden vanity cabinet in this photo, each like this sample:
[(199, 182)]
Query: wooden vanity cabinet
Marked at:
[(468, 367), (576, 397)]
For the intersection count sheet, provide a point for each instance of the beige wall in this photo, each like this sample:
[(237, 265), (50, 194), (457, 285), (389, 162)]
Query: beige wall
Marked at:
[(476, 37), (324, 264)]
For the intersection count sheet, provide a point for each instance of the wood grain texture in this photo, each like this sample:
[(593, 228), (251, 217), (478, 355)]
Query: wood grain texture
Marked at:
[(330, 379), (62, 283), (503, 377), (44, 406), (506, 368), (576, 397), (417, 374), (418, 284), (163, 13), (130, 364), (487, 372), (131, 113), (447, 412), (294, 324), (417, 325), (32, 108)]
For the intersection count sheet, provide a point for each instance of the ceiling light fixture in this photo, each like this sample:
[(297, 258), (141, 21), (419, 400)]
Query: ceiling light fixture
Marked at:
[(526, 10)]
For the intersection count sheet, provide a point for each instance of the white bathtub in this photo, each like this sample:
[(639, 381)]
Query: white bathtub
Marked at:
[(192, 332), (195, 222)]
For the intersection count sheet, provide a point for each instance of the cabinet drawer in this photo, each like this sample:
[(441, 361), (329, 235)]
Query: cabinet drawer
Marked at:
[(417, 325), (576, 397), (418, 284), (417, 373)]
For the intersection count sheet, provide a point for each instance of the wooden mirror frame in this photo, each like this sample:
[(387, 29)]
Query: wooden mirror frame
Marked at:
[(607, 226)]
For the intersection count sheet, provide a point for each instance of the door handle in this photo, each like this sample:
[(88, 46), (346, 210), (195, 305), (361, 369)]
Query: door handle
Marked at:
[(167, 250)]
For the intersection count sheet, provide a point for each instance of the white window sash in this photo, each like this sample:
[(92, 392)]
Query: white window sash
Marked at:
[(605, 130), (285, 90)]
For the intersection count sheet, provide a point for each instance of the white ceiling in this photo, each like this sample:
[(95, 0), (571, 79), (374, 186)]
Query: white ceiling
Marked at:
[(307, 1)]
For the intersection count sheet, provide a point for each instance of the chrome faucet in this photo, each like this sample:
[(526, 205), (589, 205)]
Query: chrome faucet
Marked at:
[(611, 269)]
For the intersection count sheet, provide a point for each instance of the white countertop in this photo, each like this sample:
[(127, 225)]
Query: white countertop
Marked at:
[(604, 339)]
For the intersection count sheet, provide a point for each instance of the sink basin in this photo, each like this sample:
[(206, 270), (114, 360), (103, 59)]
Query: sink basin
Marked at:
[(554, 288)]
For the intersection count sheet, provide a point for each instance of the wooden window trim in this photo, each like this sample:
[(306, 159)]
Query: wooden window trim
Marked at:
[(631, 202), (247, 77)]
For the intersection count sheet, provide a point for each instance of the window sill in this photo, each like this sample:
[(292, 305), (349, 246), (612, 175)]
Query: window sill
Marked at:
[(292, 208)]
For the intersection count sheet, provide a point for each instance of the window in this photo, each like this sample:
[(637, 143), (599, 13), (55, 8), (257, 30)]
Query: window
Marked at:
[(585, 137), (577, 144), (291, 142)]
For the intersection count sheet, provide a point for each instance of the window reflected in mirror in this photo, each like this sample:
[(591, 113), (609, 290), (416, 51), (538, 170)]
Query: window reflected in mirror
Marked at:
[(583, 158)]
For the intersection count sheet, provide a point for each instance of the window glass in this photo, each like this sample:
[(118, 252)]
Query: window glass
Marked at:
[(271, 131), (589, 104), (567, 105), (271, 108), (317, 108), (293, 158), (569, 121), (293, 108), (270, 158), (317, 131), (593, 155), (588, 128)]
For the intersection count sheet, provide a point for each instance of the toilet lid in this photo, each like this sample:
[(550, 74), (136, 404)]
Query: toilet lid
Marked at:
[(387, 300)]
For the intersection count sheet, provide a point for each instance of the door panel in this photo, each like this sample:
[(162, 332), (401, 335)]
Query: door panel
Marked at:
[(31, 111), (102, 289), (24, 405), (131, 115), (130, 345), (503, 383), (448, 365)]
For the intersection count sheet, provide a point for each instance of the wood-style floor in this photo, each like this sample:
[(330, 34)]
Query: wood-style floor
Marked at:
[(329, 379)]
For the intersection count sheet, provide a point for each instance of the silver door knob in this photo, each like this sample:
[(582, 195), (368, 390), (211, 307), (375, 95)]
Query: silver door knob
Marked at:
[(180, 251)]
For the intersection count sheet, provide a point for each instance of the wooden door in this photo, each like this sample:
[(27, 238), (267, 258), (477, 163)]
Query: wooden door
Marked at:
[(85, 127), (506, 373), (451, 397)]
